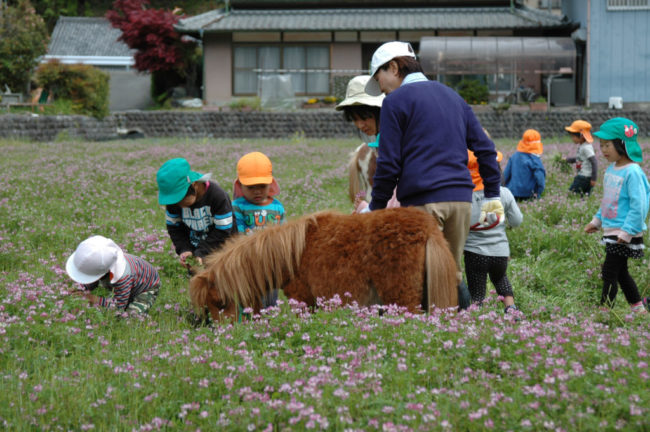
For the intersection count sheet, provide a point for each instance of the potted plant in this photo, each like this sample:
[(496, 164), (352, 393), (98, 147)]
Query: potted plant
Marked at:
[(539, 104)]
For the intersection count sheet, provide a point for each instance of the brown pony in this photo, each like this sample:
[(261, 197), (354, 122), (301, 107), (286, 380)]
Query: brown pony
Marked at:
[(393, 256), (361, 168)]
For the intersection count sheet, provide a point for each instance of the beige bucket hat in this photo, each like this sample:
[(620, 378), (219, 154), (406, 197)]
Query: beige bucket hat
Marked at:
[(355, 94)]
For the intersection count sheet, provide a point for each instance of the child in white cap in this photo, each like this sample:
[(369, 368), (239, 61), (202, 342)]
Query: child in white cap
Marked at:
[(134, 282)]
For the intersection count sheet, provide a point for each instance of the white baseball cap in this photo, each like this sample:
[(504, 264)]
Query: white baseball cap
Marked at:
[(94, 257), (355, 94), (383, 55)]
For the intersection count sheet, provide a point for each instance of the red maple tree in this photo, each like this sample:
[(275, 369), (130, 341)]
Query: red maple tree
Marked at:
[(151, 32)]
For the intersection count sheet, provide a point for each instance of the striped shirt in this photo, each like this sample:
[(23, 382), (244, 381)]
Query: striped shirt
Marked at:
[(139, 276)]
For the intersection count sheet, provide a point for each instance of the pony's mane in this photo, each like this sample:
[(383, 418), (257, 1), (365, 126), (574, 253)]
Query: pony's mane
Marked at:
[(237, 273)]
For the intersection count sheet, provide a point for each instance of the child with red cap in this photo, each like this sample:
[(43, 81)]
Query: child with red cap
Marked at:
[(585, 159), (98, 260), (487, 249), (525, 175)]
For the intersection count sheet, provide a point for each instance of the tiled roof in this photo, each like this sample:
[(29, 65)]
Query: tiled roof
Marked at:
[(369, 19), (79, 36)]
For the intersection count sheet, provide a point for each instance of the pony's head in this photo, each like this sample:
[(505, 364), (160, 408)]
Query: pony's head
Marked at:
[(206, 299)]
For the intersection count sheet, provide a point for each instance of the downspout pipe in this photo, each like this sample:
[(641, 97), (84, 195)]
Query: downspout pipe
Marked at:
[(588, 62)]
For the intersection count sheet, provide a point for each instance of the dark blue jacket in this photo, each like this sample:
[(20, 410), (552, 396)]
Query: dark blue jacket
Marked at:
[(525, 175), (426, 129)]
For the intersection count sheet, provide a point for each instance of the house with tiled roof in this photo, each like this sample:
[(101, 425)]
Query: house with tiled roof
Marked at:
[(93, 41), (317, 42)]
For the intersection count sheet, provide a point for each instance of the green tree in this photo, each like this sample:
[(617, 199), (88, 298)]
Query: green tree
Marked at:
[(23, 38)]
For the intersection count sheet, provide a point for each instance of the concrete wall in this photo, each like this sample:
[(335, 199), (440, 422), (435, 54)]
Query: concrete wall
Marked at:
[(320, 123), (129, 90)]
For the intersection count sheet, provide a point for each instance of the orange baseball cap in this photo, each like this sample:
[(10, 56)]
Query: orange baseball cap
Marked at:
[(254, 168), (582, 127)]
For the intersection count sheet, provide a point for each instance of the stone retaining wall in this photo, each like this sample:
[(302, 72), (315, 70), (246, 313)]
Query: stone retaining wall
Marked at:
[(323, 123)]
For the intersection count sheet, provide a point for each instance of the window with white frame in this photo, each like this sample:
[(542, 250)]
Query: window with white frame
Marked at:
[(308, 66), (628, 4)]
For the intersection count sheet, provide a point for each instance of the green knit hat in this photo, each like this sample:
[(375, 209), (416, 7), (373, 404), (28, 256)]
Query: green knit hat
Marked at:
[(174, 179), (625, 130)]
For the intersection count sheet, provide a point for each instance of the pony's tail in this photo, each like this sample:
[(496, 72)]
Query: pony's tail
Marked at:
[(353, 173), (441, 275)]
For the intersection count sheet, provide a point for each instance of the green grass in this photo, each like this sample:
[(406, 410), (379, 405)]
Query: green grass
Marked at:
[(65, 366)]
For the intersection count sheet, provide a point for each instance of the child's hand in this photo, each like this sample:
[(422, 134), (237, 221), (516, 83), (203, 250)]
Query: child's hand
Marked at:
[(360, 205), (184, 256), (92, 299), (591, 228)]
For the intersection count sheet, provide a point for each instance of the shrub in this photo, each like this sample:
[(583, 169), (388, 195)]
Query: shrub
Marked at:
[(85, 86), (246, 104), (23, 38), (473, 91)]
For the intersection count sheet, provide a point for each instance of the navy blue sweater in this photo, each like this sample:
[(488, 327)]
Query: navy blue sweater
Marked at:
[(426, 129)]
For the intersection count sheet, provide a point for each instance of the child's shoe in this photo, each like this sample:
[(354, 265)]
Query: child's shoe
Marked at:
[(639, 307)]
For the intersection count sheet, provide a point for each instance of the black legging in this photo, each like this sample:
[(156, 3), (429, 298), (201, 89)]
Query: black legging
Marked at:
[(615, 270), (478, 267)]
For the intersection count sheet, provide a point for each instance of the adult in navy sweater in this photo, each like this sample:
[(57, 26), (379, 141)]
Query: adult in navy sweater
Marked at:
[(426, 129)]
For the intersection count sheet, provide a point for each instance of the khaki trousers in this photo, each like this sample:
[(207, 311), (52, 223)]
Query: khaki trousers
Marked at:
[(454, 219)]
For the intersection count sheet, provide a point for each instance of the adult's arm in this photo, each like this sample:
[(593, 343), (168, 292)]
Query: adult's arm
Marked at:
[(177, 230), (389, 158), (485, 152), (221, 225)]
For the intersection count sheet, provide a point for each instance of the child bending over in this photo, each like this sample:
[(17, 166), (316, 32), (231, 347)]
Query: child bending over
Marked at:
[(98, 260), (198, 211)]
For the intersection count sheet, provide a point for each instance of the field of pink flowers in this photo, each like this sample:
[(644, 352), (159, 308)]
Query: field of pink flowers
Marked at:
[(567, 366)]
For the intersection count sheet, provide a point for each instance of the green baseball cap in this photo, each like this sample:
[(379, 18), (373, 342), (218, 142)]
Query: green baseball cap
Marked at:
[(174, 179), (625, 130)]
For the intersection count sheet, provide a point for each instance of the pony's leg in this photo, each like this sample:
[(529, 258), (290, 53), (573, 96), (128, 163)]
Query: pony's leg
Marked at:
[(299, 290)]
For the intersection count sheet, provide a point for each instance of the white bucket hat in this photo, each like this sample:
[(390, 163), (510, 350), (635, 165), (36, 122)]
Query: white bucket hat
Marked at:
[(383, 55), (355, 94), (94, 257)]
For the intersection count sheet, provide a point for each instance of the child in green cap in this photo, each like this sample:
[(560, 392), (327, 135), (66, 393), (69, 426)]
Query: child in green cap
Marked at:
[(198, 211), (623, 210)]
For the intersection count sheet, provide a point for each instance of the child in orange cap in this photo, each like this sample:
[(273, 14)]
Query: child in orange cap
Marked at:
[(487, 249), (525, 175), (254, 206), (585, 159)]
